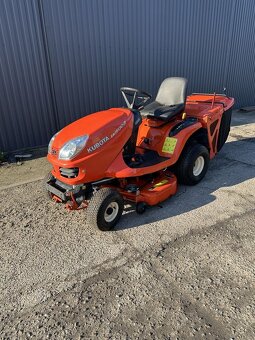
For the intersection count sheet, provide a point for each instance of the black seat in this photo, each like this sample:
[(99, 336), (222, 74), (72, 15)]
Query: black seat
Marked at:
[(170, 100)]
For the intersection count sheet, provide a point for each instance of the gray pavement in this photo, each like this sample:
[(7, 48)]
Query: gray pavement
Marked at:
[(183, 270)]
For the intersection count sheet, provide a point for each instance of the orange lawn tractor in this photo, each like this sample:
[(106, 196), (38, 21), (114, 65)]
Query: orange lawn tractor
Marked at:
[(137, 154)]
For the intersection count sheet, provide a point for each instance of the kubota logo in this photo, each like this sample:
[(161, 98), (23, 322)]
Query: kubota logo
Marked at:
[(98, 144), (106, 138)]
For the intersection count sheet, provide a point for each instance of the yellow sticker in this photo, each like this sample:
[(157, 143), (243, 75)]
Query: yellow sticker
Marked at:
[(169, 145), (160, 183)]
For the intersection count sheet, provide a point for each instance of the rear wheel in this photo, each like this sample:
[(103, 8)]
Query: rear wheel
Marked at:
[(105, 209), (193, 164)]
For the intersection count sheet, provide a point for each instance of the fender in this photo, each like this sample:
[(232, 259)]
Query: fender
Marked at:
[(181, 139)]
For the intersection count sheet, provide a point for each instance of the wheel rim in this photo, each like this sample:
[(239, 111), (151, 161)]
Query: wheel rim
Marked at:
[(111, 212), (198, 166)]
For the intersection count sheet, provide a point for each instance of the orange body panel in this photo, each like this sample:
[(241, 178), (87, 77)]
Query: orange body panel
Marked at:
[(119, 169), (115, 124)]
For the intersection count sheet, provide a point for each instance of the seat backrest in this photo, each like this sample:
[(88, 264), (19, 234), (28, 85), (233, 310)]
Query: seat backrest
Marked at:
[(172, 91)]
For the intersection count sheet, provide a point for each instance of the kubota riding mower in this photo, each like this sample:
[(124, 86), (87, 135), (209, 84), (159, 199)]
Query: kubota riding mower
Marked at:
[(137, 154)]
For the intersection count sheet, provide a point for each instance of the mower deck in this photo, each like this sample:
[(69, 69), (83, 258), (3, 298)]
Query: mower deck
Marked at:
[(151, 192)]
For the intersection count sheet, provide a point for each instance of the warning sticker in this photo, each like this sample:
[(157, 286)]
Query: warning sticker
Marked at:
[(169, 145)]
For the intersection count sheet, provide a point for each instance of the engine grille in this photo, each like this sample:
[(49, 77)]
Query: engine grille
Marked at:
[(69, 172)]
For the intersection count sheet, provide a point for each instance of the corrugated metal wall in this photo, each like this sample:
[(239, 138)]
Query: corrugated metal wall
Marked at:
[(26, 111), (62, 59)]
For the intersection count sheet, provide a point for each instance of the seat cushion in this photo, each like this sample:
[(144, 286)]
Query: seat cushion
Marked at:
[(165, 113), (150, 108)]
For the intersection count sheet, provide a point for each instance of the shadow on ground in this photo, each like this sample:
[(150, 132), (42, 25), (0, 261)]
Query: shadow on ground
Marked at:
[(241, 117)]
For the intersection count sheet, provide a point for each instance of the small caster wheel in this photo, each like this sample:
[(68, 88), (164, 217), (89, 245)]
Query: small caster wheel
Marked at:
[(141, 207)]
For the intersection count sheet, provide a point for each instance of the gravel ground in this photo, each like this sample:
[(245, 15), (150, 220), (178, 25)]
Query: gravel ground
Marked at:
[(182, 270)]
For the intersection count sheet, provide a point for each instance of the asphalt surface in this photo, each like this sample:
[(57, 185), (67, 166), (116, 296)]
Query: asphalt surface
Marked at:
[(182, 270)]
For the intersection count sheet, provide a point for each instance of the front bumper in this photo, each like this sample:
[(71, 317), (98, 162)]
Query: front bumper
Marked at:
[(55, 191), (66, 192), (72, 174)]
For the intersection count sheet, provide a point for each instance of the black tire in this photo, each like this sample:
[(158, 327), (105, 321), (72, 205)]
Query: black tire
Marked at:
[(185, 165), (100, 204), (141, 207), (46, 179), (224, 128)]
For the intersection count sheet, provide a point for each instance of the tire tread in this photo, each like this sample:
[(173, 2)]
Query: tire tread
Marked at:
[(186, 161)]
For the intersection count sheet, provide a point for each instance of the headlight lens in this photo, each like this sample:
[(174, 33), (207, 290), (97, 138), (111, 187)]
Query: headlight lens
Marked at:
[(51, 142), (73, 147)]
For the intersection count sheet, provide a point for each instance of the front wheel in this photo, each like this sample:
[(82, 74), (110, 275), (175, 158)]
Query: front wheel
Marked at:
[(193, 164), (105, 209)]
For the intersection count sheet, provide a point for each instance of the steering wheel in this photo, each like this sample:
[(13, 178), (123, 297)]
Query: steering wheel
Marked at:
[(136, 95)]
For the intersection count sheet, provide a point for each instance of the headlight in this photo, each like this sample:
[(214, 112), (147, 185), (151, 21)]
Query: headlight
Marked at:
[(73, 147), (51, 142)]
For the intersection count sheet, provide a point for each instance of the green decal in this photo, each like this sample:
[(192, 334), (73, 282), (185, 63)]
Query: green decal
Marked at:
[(169, 145)]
